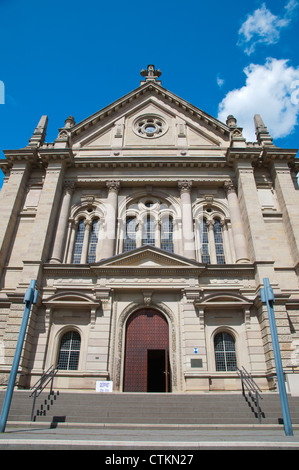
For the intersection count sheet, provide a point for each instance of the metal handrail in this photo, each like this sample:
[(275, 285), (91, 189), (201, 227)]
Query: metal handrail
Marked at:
[(253, 389), (41, 384)]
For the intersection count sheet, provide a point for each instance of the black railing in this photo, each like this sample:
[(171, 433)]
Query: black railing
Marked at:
[(41, 384), (253, 390)]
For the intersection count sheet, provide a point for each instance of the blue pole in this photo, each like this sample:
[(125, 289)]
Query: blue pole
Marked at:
[(29, 299), (267, 296)]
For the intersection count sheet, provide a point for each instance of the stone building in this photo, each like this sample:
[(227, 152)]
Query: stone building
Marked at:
[(149, 227)]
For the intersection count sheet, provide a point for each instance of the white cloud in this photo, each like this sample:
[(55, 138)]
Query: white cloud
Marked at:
[(262, 27), (220, 82), (271, 90)]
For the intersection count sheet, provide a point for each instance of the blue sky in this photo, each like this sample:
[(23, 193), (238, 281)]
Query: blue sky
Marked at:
[(74, 58)]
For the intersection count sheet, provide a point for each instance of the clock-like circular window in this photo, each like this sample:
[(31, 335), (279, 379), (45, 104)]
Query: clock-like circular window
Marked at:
[(149, 126)]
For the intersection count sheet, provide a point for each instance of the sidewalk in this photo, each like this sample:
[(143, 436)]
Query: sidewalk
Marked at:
[(136, 438)]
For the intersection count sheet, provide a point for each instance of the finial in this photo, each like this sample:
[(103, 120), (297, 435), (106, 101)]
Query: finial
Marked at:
[(39, 135), (231, 121), (69, 122), (261, 131), (150, 75)]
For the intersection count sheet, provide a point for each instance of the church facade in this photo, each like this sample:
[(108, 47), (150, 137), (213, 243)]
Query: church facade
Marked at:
[(149, 228)]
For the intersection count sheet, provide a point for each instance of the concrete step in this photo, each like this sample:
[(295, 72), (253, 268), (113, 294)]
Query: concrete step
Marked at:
[(210, 409)]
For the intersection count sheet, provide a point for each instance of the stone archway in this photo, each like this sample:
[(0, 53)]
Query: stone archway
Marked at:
[(146, 362)]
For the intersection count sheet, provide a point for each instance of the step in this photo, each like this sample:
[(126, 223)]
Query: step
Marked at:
[(148, 408)]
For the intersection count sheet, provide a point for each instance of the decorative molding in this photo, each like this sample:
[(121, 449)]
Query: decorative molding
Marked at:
[(185, 186), (113, 185)]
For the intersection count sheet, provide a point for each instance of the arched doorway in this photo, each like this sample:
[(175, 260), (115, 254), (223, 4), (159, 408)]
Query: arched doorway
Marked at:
[(146, 367)]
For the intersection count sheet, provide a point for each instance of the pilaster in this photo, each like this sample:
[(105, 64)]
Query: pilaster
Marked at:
[(257, 239), (45, 219), (283, 331), (288, 199), (12, 196)]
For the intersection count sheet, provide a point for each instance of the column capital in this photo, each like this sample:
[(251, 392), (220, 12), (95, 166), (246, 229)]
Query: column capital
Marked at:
[(184, 185), (229, 187), (88, 223), (113, 185), (68, 186), (210, 222)]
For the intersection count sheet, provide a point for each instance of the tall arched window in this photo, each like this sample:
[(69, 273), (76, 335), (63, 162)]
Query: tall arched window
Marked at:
[(79, 242), (69, 351), (204, 239), (130, 236), (225, 353), (93, 241), (167, 234), (148, 237), (218, 242)]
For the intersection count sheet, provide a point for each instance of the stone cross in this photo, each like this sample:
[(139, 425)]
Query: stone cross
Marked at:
[(151, 74)]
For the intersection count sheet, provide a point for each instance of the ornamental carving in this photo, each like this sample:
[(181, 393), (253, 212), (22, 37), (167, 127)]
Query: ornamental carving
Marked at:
[(229, 187), (113, 185), (185, 185)]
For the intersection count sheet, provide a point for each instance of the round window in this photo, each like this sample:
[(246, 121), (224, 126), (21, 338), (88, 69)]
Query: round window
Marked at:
[(149, 126)]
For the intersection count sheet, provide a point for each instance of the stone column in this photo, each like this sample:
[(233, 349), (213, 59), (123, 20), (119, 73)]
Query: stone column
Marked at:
[(44, 223), (187, 219), (71, 245), (226, 245), (251, 210), (252, 217), (59, 244), (288, 198), (211, 238), (111, 216), (85, 246), (240, 243), (12, 197)]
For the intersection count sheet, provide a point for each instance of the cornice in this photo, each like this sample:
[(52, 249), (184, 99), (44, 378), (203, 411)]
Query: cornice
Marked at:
[(220, 270), (271, 154), (20, 155), (234, 154), (261, 155), (135, 271), (56, 154), (155, 89), (150, 161)]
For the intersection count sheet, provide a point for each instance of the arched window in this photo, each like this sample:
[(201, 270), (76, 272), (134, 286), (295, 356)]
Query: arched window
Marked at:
[(130, 236), (93, 241), (225, 353), (167, 234), (69, 351), (204, 239), (218, 242), (148, 237), (79, 242)]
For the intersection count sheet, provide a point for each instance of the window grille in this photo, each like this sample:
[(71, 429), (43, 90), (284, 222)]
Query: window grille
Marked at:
[(79, 242), (167, 235), (204, 237), (149, 232), (69, 351), (93, 241), (219, 242), (130, 237), (225, 354)]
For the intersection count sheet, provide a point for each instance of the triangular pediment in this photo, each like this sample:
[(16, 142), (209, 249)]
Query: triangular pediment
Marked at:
[(114, 125), (148, 257)]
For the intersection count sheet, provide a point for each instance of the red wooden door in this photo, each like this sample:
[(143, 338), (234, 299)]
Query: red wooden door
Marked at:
[(146, 330)]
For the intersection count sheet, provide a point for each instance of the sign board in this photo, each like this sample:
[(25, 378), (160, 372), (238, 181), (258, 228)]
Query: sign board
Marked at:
[(104, 386)]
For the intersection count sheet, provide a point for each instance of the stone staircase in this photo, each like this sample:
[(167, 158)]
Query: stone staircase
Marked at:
[(147, 408)]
